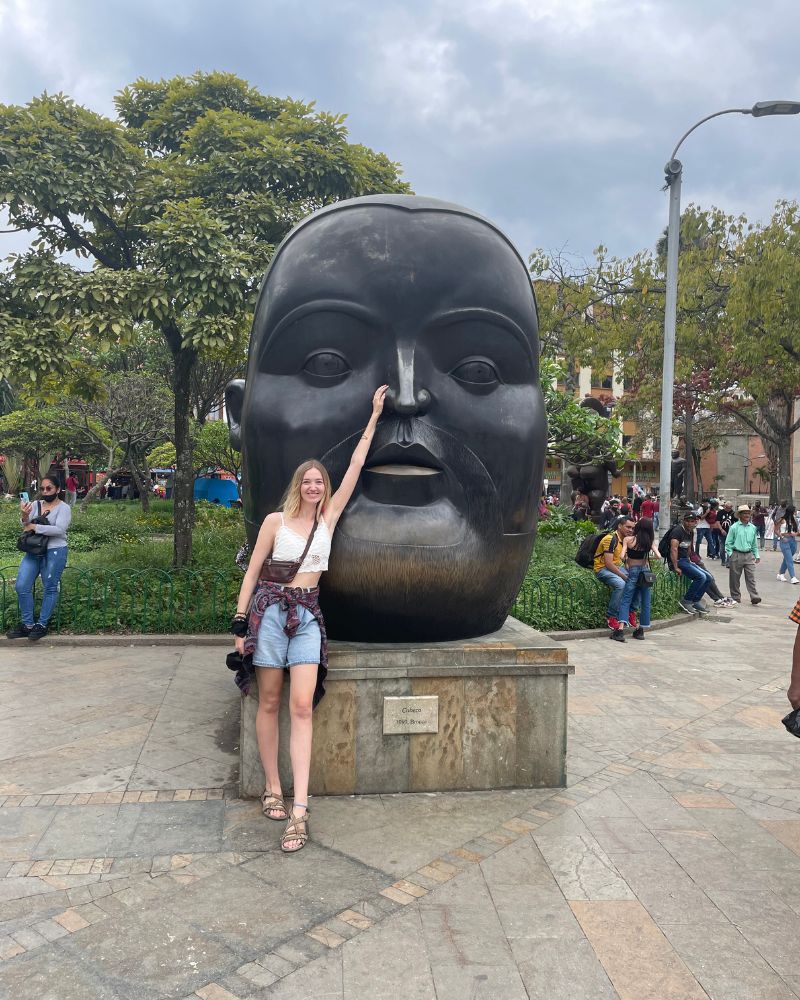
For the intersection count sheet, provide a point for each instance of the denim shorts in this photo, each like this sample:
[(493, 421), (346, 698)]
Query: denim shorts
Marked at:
[(274, 648)]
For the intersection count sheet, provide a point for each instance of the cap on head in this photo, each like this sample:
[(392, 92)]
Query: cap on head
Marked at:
[(690, 516)]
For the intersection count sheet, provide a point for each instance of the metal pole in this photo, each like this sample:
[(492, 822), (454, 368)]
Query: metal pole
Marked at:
[(689, 486), (673, 172)]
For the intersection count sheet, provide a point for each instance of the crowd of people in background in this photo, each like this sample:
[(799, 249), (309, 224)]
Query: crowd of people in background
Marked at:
[(625, 543)]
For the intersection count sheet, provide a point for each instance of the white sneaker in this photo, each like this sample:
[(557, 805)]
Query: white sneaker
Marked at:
[(794, 580), (781, 577)]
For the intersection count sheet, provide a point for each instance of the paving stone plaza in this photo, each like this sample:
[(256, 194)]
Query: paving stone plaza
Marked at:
[(668, 868)]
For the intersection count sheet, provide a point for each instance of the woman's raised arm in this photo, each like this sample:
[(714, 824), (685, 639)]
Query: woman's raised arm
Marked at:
[(342, 495)]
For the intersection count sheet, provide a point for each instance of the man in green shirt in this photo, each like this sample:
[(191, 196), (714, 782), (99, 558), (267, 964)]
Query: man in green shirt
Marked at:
[(741, 548)]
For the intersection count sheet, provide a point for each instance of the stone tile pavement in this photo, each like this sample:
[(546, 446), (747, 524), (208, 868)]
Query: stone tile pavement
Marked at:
[(669, 867)]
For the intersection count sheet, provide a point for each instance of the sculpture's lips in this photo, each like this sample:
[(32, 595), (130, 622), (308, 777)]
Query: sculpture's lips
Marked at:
[(403, 475), (403, 470), (413, 456), (403, 485)]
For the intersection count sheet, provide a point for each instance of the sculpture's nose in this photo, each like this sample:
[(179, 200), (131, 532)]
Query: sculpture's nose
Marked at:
[(406, 400), (412, 404)]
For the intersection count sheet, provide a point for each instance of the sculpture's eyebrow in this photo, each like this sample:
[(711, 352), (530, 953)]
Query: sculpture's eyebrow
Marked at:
[(347, 306), (451, 316)]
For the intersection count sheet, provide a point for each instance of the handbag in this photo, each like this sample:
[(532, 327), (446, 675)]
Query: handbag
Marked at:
[(31, 543), (283, 571), (647, 577)]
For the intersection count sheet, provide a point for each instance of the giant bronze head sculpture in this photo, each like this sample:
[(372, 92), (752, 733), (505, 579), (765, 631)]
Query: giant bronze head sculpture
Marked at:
[(433, 300)]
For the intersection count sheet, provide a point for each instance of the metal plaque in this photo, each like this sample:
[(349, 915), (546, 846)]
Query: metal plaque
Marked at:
[(418, 714)]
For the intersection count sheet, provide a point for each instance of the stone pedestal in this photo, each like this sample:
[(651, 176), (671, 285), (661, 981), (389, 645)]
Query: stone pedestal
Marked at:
[(502, 717)]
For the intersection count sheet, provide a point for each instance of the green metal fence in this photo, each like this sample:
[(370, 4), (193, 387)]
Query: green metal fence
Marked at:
[(156, 601), (140, 601), (555, 603)]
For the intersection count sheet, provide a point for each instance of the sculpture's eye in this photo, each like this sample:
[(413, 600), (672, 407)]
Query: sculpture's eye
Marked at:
[(476, 371), (326, 364)]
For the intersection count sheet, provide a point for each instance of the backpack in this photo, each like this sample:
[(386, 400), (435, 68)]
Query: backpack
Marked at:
[(588, 548), (664, 544)]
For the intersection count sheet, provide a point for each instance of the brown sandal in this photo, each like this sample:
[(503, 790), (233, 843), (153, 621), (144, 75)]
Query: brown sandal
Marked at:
[(274, 803), (296, 829)]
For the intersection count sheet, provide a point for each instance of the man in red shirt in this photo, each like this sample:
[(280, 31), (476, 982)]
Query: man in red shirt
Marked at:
[(648, 507), (71, 489)]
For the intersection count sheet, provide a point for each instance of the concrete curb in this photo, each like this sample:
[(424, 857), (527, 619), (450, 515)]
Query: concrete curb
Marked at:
[(593, 633), (116, 639), (224, 639)]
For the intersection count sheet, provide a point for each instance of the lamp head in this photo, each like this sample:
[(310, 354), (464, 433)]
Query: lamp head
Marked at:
[(775, 108), (672, 170)]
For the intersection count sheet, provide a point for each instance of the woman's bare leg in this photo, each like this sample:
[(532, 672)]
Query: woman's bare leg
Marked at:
[(303, 680), (270, 683)]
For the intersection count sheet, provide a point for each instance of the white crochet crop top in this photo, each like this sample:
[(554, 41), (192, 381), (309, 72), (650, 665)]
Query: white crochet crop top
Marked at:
[(289, 546)]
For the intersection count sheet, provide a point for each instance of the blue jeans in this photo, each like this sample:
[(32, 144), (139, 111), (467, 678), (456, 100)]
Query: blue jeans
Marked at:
[(50, 566), (274, 648), (788, 548), (616, 585), (699, 578), (707, 534), (634, 596)]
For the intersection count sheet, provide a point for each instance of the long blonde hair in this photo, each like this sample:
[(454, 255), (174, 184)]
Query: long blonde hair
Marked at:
[(291, 500)]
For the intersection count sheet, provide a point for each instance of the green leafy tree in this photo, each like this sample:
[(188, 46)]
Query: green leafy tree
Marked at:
[(762, 345), (738, 323), (575, 433), (126, 422), (212, 450), (34, 437), (176, 207)]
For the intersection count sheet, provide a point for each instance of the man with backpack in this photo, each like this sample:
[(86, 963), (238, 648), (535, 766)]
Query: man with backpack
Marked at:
[(607, 566)]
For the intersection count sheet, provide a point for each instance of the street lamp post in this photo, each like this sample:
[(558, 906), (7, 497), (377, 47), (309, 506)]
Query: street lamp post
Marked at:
[(673, 172)]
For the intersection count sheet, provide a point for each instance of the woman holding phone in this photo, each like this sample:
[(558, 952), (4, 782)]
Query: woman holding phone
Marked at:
[(49, 565)]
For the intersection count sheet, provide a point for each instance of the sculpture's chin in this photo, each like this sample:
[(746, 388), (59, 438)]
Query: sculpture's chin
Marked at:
[(437, 524), (388, 592)]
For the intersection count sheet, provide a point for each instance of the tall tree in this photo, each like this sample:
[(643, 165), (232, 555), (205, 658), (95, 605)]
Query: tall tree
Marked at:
[(35, 436), (127, 421), (762, 345), (177, 206), (738, 323), (575, 433)]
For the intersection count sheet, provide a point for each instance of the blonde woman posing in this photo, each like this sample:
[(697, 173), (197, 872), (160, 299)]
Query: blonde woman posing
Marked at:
[(281, 625)]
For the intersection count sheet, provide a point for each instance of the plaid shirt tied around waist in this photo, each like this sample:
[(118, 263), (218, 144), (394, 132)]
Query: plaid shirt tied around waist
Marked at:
[(289, 598)]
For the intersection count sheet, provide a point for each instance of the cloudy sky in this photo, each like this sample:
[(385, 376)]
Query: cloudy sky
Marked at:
[(552, 117)]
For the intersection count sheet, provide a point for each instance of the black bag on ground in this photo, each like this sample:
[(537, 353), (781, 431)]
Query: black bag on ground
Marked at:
[(792, 722), (588, 548)]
